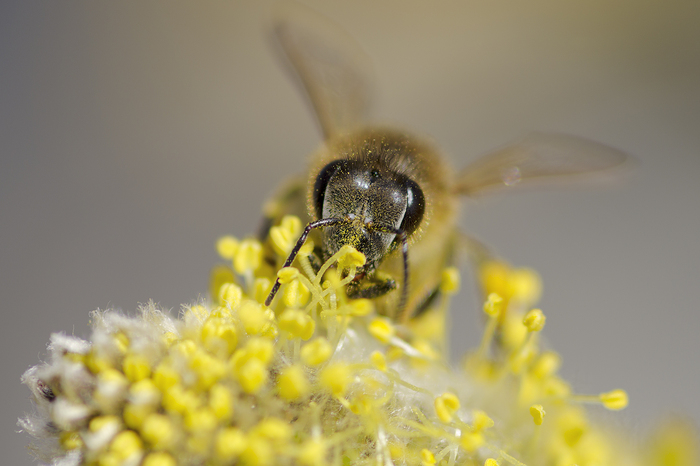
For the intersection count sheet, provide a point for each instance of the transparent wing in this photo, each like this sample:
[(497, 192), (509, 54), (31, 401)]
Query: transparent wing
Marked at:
[(541, 157), (331, 67)]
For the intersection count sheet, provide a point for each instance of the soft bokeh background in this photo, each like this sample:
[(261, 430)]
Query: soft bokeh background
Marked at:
[(133, 134)]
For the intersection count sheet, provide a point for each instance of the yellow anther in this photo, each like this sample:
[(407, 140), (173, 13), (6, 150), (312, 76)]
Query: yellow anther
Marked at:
[(537, 413), (295, 294), (493, 305), (450, 279), (196, 313), (201, 421), (230, 295), (495, 277), (219, 336), (614, 400), (95, 363), (534, 320), (378, 360), (287, 274), (252, 375), (258, 348), (159, 459), (427, 457), (261, 289), (381, 329), (176, 399), (307, 248), (350, 257), (227, 246), (490, 462), (126, 443), (272, 429), (169, 338), (255, 318), (158, 431), (136, 367), (546, 364), (221, 401), (336, 378), (481, 421), (471, 441), (316, 352), (446, 405), (164, 376), (313, 453), (285, 236), (297, 324), (70, 440), (257, 452), (230, 442), (209, 369), (292, 383), (100, 422), (525, 285), (572, 425), (134, 414), (248, 256), (361, 307), (122, 342)]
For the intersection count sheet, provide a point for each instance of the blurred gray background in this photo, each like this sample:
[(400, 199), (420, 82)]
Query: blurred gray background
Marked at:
[(133, 134)]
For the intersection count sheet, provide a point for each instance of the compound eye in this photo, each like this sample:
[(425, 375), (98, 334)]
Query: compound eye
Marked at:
[(321, 184), (415, 207)]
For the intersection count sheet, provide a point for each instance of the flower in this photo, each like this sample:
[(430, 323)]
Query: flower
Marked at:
[(319, 379)]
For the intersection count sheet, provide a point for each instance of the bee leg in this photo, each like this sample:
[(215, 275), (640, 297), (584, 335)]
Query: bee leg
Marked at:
[(315, 261), (375, 290), (427, 302)]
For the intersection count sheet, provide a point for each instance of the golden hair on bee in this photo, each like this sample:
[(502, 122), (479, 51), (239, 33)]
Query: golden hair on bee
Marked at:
[(386, 192)]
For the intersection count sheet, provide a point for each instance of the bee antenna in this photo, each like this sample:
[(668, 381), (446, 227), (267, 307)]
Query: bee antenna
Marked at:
[(300, 242)]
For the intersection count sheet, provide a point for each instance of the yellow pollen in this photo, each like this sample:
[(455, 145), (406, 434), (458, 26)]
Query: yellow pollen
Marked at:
[(292, 383), (297, 324), (336, 378), (537, 413), (287, 274), (614, 400), (230, 295), (159, 459), (158, 430), (378, 360), (449, 282), (493, 305), (445, 406), (230, 443), (316, 352), (349, 257), (284, 236), (534, 320), (136, 367), (248, 256), (427, 457), (227, 247), (381, 329)]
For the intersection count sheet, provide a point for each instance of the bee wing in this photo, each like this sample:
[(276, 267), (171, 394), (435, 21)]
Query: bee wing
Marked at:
[(330, 65), (541, 157)]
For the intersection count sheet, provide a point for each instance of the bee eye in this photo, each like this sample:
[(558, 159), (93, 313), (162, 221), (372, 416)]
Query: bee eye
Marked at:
[(415, 207), (374, 174), (321, 183)]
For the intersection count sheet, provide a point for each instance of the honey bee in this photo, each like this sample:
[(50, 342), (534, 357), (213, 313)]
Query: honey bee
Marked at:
[(386, 192)]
